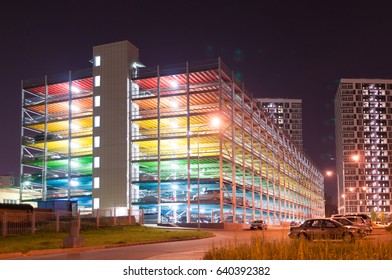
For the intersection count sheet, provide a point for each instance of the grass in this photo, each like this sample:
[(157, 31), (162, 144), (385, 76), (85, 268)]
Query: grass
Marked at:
[(96, 237), (261, 249)]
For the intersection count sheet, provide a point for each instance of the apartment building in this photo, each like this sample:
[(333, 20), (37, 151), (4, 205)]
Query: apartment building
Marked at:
[(363, 114), (287, 114)]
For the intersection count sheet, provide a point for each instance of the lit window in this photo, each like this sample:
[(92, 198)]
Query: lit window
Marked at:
[(96, 162), (97, 60), (97, 81), (96, 203), (97, 141), (97, 121), (96, 182), (97, 101)]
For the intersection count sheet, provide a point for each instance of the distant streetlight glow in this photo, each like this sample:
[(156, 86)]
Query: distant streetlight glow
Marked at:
[(216, 122), (355, 157), (329, 173)]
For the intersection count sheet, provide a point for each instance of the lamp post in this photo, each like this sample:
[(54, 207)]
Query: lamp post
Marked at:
[(354, 158), (198, 178), (330, 174), (215, 123)]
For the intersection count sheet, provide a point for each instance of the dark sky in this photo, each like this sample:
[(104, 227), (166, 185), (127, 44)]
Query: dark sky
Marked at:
[(285, 49)]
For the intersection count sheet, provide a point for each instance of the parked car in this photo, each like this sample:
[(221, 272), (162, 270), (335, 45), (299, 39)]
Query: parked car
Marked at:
[(229, 219), (326, 229), (380, 224), (359, 221), (258, 224), (294, 223), (212, 195), (240, 201), (365, 217), (49, 136), (349, 222)]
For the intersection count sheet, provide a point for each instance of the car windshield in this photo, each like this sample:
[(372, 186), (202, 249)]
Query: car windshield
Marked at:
[(344, 221), (355, 219)]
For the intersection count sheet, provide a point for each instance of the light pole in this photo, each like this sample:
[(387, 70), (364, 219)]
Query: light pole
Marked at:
[(354, 158), (330, 174), (215, 123), (198, 177)]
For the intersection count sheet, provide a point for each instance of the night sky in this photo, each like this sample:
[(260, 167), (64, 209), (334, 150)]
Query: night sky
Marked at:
[(282, 49)]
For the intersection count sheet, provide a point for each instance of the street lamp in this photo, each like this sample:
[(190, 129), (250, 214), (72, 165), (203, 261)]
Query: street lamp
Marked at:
[(330, 174), (215, 123), (354, 158)]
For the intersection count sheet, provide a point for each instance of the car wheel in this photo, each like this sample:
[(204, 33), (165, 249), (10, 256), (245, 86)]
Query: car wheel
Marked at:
[(348, 237), (303, 236)]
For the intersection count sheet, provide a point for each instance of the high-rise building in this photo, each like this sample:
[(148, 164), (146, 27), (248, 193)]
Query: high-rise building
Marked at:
[(363, 111), (184, 143), (287, 114)]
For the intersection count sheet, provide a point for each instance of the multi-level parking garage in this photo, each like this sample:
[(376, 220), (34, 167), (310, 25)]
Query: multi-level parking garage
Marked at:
[(56, 152), (198, 117), (192, 144)]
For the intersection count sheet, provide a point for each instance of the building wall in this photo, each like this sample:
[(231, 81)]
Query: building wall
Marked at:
[(113, 153), (287, 113), (6, 181), (363, 129), (9, 195)]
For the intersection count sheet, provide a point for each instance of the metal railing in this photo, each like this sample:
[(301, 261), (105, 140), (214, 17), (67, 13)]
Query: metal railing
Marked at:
[(14, 223)]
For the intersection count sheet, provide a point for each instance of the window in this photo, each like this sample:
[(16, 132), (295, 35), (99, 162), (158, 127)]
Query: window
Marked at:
[(96, 203), (328, 224), (97, 81), (96, 182), (96, 162), (314, 224), (97, 141), (97, 101), (97, 61), (10, 201), (97, 121)]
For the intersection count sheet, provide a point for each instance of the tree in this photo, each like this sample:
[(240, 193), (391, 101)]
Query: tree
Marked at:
[(373, 216), (382, 217)]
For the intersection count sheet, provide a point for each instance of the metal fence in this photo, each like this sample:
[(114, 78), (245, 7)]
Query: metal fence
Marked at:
[(14, 223)]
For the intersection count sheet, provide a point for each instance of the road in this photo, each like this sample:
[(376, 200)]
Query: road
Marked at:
[(178, 250)]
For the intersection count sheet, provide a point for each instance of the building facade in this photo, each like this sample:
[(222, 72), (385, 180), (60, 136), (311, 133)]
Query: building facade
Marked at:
[(184, 143), (9, 192), (6, 181), (287, 114), (363, 114)]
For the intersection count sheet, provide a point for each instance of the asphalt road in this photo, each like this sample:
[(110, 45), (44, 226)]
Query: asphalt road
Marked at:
[(178, 250)]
